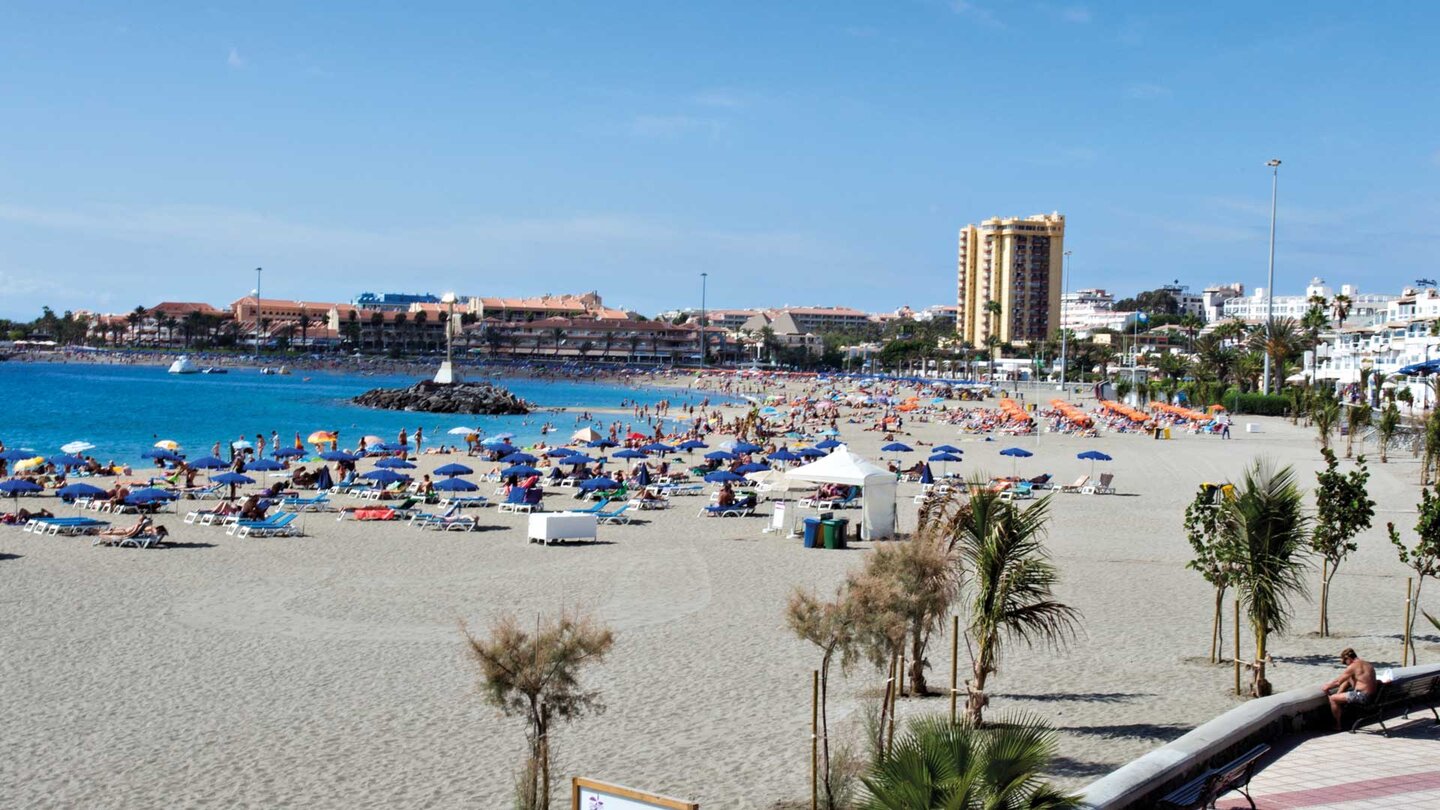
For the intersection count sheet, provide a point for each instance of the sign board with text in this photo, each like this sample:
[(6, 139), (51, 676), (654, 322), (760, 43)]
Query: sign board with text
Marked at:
[(588, 794)]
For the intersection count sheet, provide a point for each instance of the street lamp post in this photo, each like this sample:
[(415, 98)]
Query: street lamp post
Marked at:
[(1064, 291), (1270, 277), (704, 337), (257, 311), (447, 375)]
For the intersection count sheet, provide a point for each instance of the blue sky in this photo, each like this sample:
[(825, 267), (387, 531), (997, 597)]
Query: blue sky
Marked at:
[(818, 153)]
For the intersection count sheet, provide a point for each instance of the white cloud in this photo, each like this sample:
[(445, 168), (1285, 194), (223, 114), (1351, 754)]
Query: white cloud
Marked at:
[(1146, 90), (234, 59)]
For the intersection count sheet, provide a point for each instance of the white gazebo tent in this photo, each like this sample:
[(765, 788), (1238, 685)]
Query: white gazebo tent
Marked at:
[(844, 467)]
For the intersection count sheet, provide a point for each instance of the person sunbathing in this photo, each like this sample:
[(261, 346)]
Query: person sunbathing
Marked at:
[(251, 509), (26, 515), (129, 532)]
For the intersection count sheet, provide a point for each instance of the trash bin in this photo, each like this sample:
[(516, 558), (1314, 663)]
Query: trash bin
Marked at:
[(1167, 433), (842, 533), (827, 535), (812, 532)]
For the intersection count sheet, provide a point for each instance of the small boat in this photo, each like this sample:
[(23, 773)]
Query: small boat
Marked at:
[(182, 365), (214, 370), (267, 371)]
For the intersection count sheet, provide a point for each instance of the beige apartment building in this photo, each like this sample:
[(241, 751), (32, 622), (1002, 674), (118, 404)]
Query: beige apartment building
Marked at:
[(1017, 263)]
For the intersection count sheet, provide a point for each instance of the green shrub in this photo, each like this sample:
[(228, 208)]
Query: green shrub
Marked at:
[(1258, 404)]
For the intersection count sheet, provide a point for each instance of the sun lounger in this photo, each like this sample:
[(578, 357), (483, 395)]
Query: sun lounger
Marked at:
[(454, 523), (463, 501), (1017, 492), (1105, 486), (523, 500), (1079, 484), (614, 516), (594, 509), (319, 503), (65, 526), (273, 526), (419, 519), (741, 508), (204, 493)]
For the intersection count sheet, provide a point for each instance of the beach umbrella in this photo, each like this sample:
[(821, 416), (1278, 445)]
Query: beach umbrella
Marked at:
[(784, 455), (691, 444), (503, 448), (724, 477), (520, 471), (746, 447), (585, 435), (642, 477), (721, 455), (752, 467), (577, 458), (385, 476), (15, 487), (499, 438), (395, 464), (1093, 456), (945, 458), (264, 465), (323, 479), (896, 447), (232, 478), (453, 469), (518, 457), (455, 485), (555, 472), (557, 452), (163, 455), (148, 495), (240, 445), (289, 452), (599, 483), (209, 463), (628, 453), (17, 454), (338, 455), (76, 447), (601, 443), (658, 447), (168, 444), (827, 444), (462, 431), (65, 461), (504, 436), (1016, 453), (946, 448), (829, 432), (389, 448), (80, 490), (321, 437), (371, 441), (810, 452), (926, 476)]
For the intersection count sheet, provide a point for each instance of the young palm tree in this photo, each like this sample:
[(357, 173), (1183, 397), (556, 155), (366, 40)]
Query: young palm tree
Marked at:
[(1002, 554), (1281, 339), (1357, 417), (942, 765), (1325, 412), (1385, 429), (1268, 533)]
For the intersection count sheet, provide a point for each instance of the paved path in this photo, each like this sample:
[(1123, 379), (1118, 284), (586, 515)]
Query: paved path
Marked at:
[(1353, 771)]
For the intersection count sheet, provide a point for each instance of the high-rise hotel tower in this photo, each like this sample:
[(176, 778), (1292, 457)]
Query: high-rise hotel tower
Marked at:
[(1017, 264)]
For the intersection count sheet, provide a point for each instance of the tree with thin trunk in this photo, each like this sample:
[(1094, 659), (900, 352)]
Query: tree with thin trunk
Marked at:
[(1214, 558), (1423, 558), (1385, 428), (1343, 509), (831, 627), (1325, 413), (1269, 531), (537, 676), (916, 583), (1357, 418), (1010, 582), (943, 765)]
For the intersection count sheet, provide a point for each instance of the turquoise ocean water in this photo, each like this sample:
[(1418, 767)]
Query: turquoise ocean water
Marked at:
[(124, 410)]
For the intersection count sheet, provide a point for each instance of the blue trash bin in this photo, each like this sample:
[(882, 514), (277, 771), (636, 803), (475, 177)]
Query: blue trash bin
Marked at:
[(812, 532)]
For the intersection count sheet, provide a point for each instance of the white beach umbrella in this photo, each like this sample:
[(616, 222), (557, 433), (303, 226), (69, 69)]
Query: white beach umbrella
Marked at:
[(76, 447), (462, 431)]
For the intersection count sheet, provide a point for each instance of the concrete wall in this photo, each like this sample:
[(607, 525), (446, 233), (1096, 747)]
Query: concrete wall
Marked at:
[(1144, 781)]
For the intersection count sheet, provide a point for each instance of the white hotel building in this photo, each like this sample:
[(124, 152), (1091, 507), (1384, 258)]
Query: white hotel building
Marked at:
[(1365, 308), (1400, 337)]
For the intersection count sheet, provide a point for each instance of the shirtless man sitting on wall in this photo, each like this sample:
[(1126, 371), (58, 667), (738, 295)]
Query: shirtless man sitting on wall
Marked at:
[(1357, 684)]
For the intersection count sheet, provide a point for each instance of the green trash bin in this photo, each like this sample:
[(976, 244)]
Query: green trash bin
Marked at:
[(827, 534), (842, 532)]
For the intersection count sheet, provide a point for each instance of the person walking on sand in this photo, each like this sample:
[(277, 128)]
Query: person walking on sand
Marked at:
[(419, 437), (1357, 685)]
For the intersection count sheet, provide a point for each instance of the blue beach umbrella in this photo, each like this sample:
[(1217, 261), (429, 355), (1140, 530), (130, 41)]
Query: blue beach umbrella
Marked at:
[(926, 476), (1092, 456), (752, 467), (724, 477), (557, 452), (658, 447), (289, 452), (519, 458), (721, 455), (642, 478), (1016, 453), (15, 487), (601, 443), (338, 455), (502, 448), (810, 452), (264, 465), (455, 485), (17, 454), (453, 469), (590, 484), (66, 460), (827, 444), (209, 463), (783, 455), (691, 444), (946, 448), (628, 453), (946, 458), (746, 447), (519, 471), (576, 459), (232, 478), (80, 490), (384, 476), (394, 464), (896, 447), (160, 453)]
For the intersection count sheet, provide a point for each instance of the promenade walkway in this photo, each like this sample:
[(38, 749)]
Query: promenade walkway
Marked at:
[(1353, 771)]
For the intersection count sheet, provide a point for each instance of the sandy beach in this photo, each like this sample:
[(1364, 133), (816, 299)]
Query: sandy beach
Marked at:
[(328, 670)]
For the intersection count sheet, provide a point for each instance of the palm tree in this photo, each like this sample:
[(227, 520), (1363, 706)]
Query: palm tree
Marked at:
[(134, 318), (557, 336), (421, 318), (492, 339), (1192, 325), (1268, 532), (941, 765), (169, 322), (1385, 429), (377, 322), (1356, 418), (303, 324), (1325, 413), (1279, 338), (1002, 552), (1340, 307), (400, 320)]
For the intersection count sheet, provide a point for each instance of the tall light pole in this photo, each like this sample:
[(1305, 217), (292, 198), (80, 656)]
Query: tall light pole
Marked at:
[(257, 311), (447, 374), (1270, 277), (1064, 291), (704, 336)]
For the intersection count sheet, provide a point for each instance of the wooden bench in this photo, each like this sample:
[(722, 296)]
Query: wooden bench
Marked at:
[(1416, 693), (1205, 789)]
